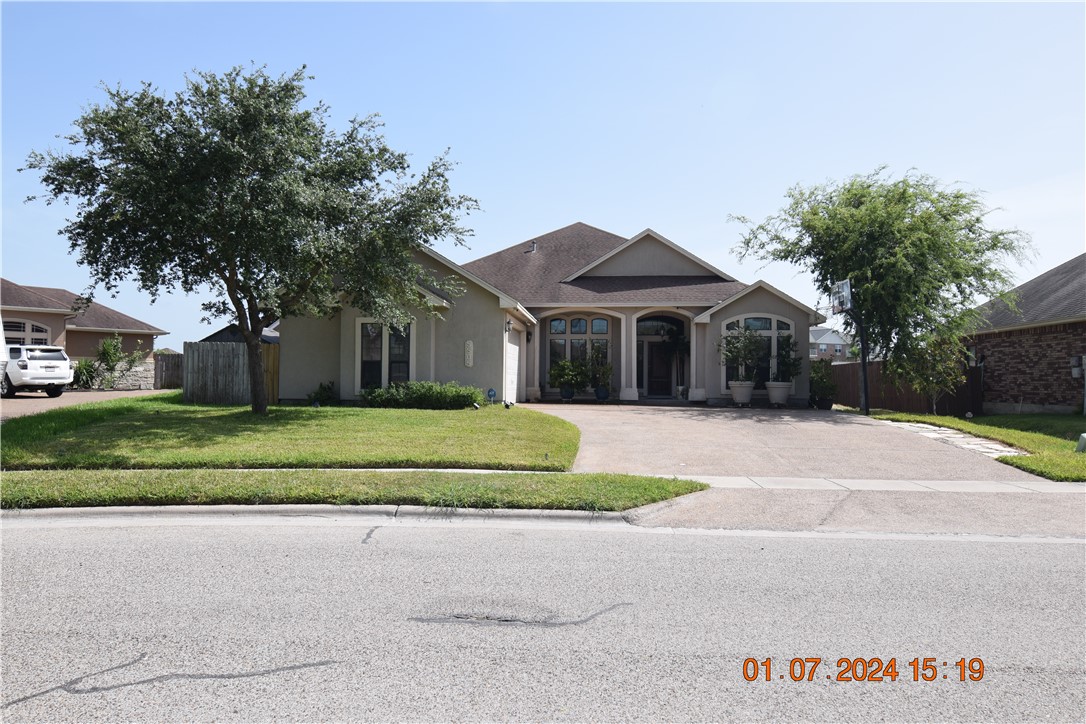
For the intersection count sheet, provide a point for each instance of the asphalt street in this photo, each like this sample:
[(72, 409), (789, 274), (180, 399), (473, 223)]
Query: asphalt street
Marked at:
[(337, 618)]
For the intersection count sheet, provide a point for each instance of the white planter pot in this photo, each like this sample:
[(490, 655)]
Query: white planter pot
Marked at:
[(778, 392), (741, 392)]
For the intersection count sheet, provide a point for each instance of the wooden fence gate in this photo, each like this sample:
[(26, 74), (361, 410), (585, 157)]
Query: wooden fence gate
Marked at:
[(217, 373), (169, 371)]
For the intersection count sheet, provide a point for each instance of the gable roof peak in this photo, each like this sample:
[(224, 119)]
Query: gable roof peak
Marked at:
[(647, 233)]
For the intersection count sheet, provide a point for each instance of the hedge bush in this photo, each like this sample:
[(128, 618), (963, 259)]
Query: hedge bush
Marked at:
[(423, 396)]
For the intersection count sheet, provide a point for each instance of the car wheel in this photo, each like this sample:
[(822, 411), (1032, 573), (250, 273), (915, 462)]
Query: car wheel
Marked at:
[(6, 388), (54, 391)]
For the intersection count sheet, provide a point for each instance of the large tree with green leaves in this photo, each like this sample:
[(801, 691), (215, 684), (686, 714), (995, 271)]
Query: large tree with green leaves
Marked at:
[(234, 183), (919, 256)]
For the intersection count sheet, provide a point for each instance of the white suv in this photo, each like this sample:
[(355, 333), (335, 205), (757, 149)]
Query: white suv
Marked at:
[(38, 368)]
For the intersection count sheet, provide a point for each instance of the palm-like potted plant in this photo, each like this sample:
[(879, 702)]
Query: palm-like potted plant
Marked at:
[(569, 377), (823, 388), (789, 365), (742, 348)]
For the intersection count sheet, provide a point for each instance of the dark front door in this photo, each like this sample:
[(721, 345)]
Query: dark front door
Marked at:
[(659, 370)]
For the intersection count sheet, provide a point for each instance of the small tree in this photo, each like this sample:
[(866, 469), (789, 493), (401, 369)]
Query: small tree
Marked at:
[(232, 183), (112, 364), (938, 368), (742, 348), (919, 256), (789, 363)]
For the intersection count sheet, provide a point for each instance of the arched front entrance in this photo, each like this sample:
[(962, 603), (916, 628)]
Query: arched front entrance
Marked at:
[(663, 350)]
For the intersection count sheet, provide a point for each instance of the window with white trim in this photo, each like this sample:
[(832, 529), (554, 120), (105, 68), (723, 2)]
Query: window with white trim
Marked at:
[(19, 331), (771, 327)]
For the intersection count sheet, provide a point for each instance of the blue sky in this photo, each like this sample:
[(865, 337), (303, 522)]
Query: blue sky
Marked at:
[(623, 116)]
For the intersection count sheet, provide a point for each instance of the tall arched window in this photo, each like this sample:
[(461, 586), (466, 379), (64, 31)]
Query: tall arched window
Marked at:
[(578, 338), (769, 326)]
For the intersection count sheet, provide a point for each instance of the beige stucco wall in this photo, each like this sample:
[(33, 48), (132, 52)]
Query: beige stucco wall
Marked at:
[(474, 316), (648, 255), (308, 355), (760, 301), (84, 345)]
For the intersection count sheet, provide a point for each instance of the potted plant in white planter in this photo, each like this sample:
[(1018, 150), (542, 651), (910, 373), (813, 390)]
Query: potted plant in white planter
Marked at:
[(789, 365), (742, 348)]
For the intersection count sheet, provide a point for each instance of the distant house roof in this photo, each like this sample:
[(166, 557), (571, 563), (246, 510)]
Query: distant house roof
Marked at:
[(533, 271), (96, 317), (1058, 295), (826, 335)]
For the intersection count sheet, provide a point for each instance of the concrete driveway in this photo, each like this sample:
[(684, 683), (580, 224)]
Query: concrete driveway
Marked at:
[(31, 403), (764, 443)]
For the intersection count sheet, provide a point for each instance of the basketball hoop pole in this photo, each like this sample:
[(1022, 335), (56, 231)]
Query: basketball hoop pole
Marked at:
[(865, 405)]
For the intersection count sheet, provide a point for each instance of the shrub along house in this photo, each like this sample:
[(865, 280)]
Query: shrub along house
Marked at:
[(643, 304)]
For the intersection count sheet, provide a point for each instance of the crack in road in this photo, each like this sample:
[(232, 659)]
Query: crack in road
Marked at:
[(69, 687), (497, 620), (369, 534)]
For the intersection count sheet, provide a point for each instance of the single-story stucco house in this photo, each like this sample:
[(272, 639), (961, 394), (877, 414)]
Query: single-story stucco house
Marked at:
[(563, 295)]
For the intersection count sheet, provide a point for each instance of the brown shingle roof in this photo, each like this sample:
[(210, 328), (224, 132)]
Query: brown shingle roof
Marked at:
[(16, 295), (535, 277), (1057, 295), (96, 316)]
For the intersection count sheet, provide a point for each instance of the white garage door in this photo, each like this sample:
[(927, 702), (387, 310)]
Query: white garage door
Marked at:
[(512, 366)]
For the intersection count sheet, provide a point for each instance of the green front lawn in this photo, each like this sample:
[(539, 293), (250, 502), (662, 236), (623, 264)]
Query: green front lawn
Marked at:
[(551, 491), (1050, 439), (163, 432)]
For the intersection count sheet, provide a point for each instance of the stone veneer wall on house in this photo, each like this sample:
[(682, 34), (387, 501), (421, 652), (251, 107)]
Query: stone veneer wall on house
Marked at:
[(141, 377), (1029, 370)]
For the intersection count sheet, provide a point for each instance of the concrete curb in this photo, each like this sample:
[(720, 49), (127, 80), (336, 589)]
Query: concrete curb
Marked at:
[(389, 512)]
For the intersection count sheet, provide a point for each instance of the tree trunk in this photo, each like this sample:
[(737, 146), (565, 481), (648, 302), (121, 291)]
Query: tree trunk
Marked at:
[(258, 393)]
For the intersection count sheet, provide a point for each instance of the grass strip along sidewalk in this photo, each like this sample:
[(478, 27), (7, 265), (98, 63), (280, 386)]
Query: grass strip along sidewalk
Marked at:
[(1050, 440), (160, 451)]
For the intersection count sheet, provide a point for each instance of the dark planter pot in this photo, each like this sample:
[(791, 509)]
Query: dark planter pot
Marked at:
[(567, 393), (602, 393), (825, 403)]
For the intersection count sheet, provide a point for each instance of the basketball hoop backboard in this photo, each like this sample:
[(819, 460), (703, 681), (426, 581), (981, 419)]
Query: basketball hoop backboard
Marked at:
[(841, 297)]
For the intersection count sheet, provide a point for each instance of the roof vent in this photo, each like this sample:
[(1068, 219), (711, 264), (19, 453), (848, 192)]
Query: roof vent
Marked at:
[(532, 250)]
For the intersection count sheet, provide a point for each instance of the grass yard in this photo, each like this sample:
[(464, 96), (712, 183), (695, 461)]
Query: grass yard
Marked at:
[(551, 491), (160, 451), (163, 432), (1050, 439)]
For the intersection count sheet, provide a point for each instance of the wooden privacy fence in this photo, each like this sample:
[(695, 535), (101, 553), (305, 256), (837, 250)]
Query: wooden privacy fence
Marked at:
[(169, 371), (885, 395), (217, 373)]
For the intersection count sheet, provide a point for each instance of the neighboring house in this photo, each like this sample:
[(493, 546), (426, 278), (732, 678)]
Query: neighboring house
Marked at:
[(563, 295), (231, 333), (44, 315), (826, 343), (1026, 354)]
